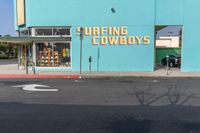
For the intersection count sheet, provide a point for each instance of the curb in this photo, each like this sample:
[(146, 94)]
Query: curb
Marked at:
[(141, 76), (31, 76), (50, 76)]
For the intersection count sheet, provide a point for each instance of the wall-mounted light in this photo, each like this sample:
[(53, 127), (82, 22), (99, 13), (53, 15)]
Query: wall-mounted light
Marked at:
[(113, 10)]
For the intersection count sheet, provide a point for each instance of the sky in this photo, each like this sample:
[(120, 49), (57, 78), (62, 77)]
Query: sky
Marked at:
[(170, 31), (7, 18)]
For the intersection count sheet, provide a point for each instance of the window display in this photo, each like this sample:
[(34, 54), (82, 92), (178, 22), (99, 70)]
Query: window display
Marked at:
[(53, 54)]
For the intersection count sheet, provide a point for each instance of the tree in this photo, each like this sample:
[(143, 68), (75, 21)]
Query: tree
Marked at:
[(7, 35), (8, 49)]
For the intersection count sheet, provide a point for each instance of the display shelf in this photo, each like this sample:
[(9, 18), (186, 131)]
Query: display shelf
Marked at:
[(49, 58)]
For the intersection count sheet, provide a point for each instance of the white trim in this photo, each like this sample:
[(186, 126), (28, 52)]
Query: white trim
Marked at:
[(54, 36), (54, 67)]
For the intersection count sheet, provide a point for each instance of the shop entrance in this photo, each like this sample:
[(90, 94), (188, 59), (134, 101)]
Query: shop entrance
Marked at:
[(168, 44), (25, 54)]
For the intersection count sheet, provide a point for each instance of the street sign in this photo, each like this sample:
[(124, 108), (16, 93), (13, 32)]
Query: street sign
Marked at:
[(32, 87), (81, 33)]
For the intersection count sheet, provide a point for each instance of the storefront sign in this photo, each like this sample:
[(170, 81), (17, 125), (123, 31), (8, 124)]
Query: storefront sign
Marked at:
[(20, 12), (113, 36)]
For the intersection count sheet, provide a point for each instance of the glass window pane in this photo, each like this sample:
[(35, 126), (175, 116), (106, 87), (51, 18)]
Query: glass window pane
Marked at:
[(43, 32), (24, 33), (30, 32), (44, 51), (53, 55), (63, 50), (61, 32)]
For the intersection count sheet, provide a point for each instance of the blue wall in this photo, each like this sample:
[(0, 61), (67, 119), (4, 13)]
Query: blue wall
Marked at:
[(170, 12), (89, 12), (183, 12), (139, 15), (191, 47)]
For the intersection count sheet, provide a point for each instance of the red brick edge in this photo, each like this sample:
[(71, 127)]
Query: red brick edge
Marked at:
[(23, 76)]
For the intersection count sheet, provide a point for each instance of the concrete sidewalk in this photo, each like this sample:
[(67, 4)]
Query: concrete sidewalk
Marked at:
[(158, 73), (9, 69)]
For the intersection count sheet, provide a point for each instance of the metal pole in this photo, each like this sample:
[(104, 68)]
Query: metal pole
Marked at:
[(26, 57), (167, 57), (27, 65), (98, 56), (81, 57), (90, 67), (81, 46)]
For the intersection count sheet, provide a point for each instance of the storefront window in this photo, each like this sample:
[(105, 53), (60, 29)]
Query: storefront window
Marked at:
[(43, 32), (52, 32), (53, 54), (61, 32), (24, 33)]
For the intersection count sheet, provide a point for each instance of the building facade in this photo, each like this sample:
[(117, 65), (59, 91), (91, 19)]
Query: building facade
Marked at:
[(119, 35)]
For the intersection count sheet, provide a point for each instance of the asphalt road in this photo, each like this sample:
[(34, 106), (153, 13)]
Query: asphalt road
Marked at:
[(107, 105)]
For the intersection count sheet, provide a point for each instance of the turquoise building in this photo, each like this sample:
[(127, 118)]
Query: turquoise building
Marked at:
[(132, 21)]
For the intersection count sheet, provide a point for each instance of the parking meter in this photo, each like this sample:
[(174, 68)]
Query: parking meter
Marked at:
[(90, 63), (90, 59), (27, 64), (167, 59)]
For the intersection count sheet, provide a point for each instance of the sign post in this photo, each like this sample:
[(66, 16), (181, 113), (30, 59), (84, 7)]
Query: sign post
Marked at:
[(81, 46)]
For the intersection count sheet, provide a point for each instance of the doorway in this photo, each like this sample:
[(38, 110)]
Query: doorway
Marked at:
[(25, 53), (168, 45)]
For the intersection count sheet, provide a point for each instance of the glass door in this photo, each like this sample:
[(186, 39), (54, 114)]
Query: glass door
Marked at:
[(25, 53)]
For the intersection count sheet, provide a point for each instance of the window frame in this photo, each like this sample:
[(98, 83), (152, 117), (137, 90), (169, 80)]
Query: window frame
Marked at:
[(52, 31)]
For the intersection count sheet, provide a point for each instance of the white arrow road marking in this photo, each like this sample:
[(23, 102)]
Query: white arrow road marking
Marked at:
[(155, 81), (32, 87)]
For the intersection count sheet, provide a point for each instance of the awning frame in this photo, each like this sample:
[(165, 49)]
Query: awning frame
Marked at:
[(30, 40)]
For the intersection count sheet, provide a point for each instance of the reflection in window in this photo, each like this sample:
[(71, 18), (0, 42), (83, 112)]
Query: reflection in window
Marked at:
[(53, 32), (61, 32), (53, 55), (43, 32), (24, 33)]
